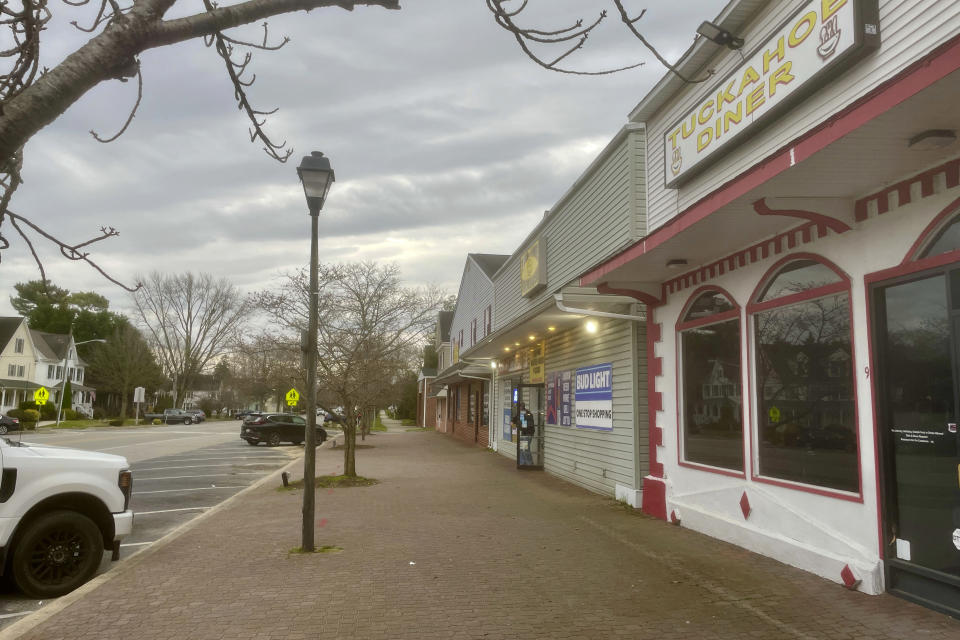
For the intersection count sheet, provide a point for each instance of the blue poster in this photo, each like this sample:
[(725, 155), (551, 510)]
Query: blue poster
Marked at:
[(594, 397), (507, 431)]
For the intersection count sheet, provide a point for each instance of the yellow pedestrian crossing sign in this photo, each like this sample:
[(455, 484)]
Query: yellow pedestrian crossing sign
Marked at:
[(41, 395), (293, 397)]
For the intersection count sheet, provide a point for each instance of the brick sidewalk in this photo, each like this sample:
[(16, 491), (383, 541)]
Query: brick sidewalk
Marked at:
[(497, 553)]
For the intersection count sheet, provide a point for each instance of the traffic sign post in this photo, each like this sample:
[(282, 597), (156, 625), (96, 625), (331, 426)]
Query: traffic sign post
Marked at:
[(293, 397), (139, 394), (40, 396)]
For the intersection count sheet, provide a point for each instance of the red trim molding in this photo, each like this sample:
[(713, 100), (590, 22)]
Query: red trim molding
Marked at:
[(780, 243), (933, 67), (642, 296), (903, 189), (838, 226)]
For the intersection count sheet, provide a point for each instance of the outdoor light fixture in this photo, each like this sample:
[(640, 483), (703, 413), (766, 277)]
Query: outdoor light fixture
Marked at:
[(506, 348), (532, 337), (719, 35), (591, 326), (551, 328), (493, 364), (676, 263), (317, 176), (516, 344), (932, 139)]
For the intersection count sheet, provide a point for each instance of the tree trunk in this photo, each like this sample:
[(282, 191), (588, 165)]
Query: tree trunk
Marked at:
[(350, 451), (123, 405)]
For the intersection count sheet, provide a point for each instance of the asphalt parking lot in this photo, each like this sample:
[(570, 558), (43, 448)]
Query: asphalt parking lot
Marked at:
[(171, 490)]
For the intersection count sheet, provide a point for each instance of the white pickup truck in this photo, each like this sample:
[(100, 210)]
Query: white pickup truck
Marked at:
[(59, 509)]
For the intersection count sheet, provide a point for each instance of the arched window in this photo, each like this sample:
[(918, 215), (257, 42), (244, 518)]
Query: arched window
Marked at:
[(711, 415), (803, 375)]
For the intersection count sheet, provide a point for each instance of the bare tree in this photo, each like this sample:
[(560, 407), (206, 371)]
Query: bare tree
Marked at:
[(266, 366), (536, 42), (32, 96), (370, 325), (191, 321), (123, 362)]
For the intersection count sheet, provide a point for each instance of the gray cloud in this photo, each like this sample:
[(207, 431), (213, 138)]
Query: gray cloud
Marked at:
[(444, 136)]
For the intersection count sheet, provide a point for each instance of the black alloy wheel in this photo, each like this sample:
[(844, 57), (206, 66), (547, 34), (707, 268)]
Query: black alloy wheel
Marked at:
[(57, 552), (274, 439), (187, 421), (3, 429)]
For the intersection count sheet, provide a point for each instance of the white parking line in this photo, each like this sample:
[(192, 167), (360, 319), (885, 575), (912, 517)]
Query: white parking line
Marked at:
[(276, 456), (209, 475), (136, 544), (166, 441), (140, 493), (137, 514), (16, 615), (195, 466)]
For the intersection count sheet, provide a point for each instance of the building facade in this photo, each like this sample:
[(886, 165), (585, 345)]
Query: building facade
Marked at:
[(798, 274)]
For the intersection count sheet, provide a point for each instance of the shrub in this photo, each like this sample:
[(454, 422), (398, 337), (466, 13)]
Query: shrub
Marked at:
[(70, 414), (28, 404), (157, 421), (99, 413), (48, 411), (30, 415), (117, 422), (16, 413)]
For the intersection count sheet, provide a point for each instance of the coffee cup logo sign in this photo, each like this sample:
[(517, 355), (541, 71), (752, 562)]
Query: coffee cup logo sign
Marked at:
[(533, 268), (821, 36)]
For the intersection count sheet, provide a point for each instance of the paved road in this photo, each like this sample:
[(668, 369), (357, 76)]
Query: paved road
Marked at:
[(179, 472)]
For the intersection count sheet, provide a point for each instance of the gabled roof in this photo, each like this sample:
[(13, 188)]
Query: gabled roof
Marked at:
[(489, 262), (8, 327), (52, 346), (444, 320)]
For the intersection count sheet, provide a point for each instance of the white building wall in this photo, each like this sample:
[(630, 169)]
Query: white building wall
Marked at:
[(815, 532), (909, 30)]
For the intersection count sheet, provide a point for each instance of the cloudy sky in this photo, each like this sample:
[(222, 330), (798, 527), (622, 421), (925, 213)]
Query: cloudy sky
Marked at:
[(444, 137)]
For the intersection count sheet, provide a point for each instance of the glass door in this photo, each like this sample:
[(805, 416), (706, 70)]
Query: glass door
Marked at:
[(528, 416), (917, 341)]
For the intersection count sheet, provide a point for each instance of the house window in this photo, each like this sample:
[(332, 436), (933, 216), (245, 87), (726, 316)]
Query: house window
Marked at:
[(20, 371), (11, 370), (457, 413), (473, 332), (471, 406), (18, 346), (803, 360), (59, 372), (712, 412), (487, 321), (51, 370)]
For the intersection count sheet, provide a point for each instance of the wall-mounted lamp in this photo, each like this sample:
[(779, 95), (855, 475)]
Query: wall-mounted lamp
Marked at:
[(591, 326), (676, 263), (719, 35), (551, 328), (506, 348), (493, 364), (932, 139), (532, 338)]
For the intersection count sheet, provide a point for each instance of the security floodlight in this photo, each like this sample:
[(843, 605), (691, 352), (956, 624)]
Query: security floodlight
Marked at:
[(719, 35)]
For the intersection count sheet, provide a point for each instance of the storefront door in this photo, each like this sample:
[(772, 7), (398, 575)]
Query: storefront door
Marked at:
[(917, 345), (529, 447)]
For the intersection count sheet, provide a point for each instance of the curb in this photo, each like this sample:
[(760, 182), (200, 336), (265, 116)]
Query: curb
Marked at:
[(42, 615)]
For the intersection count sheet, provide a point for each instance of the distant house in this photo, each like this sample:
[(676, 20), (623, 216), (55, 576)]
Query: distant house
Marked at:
[(205, 386), (31, 359)]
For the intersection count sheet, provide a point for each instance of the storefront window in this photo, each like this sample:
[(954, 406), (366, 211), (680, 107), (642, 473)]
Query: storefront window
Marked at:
[(712, 414), (471, 406), (806, 418), (947, 240)]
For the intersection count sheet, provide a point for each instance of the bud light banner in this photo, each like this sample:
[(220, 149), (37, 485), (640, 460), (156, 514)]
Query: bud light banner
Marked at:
[(593, 402)]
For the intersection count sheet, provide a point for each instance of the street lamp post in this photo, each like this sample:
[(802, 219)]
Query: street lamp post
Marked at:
[(63, 383), (317, 176)]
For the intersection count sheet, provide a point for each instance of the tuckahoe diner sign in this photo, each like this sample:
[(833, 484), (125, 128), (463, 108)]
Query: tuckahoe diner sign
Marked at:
[(823, 37)]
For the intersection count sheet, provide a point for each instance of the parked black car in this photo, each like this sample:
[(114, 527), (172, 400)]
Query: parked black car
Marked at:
[(8, 424), (243, 414), (274, 428)]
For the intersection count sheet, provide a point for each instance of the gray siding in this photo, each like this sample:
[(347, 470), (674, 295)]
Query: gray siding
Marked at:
[(599, 460), (595, 220), (476, 292), (909, 30)]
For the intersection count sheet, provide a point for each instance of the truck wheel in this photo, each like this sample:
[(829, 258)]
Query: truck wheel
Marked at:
[(273, 440), (3, 429), (57, 552), (187, 421), (252, 443)]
